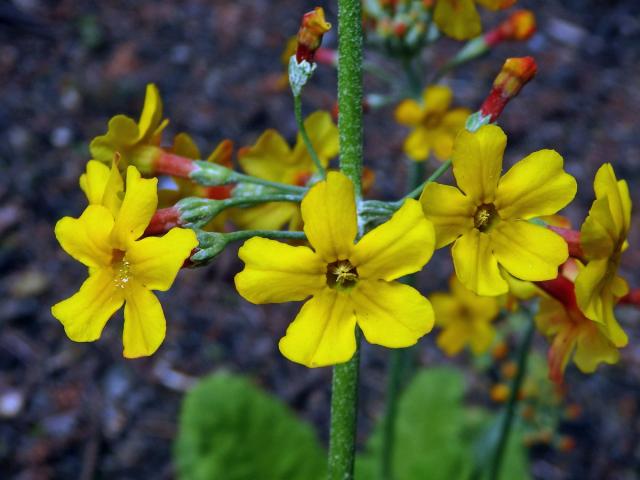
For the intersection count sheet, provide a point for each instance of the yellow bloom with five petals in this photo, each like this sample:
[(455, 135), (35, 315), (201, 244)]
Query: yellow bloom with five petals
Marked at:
[(346, 283), (271, 158), (123, 269), (136, 143), (434, 125), (460, 19), (603, 237), (486, 219), (464, 318)]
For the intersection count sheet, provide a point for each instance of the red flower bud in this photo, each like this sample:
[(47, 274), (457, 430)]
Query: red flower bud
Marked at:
[(170, 164), (515, 74), (520, 26), (312, 28)]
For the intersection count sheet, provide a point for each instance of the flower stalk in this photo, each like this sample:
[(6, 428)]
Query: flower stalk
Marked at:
[(344, 397), (297, 106)]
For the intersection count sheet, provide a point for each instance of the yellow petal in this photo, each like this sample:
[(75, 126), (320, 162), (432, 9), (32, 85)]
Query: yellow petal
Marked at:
[(437, 99), (329, 214), (599, 232), (594, 348), (85, 314), (122, 133), (417, 145), (138, 206), (528, 251), (268, 158), (184, 146), (476, 266), (409, 112), (450, 211), (478, 307), (391, 314), (596, 298), (323, 332), (276, 272), (151, 115), (94, 181), (155, 261), (87, 238), (452, 339), (446, 308), (323, 134), (607, 185), (113, 190), (477, 162), (398, 247), (536, 185), (144, 322), (458, 19)]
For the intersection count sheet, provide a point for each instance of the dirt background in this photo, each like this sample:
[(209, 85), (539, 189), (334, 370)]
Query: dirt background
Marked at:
[(80, 410)]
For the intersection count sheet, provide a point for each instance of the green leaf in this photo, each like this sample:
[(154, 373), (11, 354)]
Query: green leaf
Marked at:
[(436, 434), (231, 430)]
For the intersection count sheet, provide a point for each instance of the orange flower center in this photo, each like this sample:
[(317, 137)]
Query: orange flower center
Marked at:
[(341, 275)]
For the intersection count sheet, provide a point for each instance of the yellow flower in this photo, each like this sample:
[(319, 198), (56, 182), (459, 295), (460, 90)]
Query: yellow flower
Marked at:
[(137, 143), (572, 335), (603, 238), (465, 319), (122, 268), (487, 216), (103, 185), (273, 159), (460, 19), (434, 125), (349, 283)]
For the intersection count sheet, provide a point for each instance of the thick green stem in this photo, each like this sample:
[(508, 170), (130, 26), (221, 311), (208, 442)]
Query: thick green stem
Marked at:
[(297, 107), (350, 90), (344, 396), (507, 422)]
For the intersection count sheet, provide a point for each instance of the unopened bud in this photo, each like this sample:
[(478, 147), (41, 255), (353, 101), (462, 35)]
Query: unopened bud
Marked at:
[(515, 74), (210, 174), (167, 163), (520, 26), (196, 212), (312, 28), (210, 245)]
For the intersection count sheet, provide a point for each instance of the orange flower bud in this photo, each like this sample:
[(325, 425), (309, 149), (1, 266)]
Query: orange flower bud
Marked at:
[(312, 28), (500, 351), (515, 74), (520, 26)]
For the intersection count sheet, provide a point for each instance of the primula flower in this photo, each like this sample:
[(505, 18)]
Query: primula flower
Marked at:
[(103, 185), (349, 283), (122, 268), (273, 159), (572, 335), (465, 319), (460, 19), (603, 238), (434, 125), (136, 143), (486, 218)]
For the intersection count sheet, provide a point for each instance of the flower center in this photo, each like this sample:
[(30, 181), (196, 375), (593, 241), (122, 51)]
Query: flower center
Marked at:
[(485, 217), (121, 268), (341, 275), (432, 120)]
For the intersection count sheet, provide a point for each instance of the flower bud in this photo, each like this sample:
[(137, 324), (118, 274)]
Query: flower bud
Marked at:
[(520, 26), (210, 245), (210, 174), (312, 28), (515, 74)]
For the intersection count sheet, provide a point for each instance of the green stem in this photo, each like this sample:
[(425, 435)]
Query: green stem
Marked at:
[(297, 107), (272, 234), (239, 177), (344, 395), (507, 422), (350, 90), (415, 193)]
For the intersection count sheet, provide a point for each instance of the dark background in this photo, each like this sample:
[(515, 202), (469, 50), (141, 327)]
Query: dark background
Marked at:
[(80, 410)]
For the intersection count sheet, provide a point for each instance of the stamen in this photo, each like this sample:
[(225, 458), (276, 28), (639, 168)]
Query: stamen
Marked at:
[(485, 217), (341, 275), (122, 269)]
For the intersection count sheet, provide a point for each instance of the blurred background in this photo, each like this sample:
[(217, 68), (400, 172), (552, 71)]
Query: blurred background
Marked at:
[(82, 411)]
